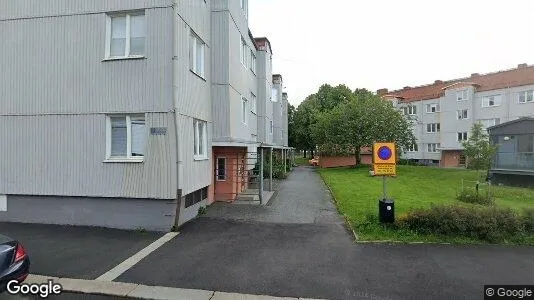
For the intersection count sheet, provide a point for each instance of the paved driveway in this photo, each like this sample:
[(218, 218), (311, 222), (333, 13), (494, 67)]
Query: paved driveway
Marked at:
[(298, 246), (76, 252)]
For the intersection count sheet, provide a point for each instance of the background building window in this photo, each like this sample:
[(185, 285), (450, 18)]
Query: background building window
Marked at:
[(463, 114), (462, 136), (127, 137), (200, 139), (409, 110), (252, 62), (462, 95), (491, 101), (432, 127), (126, 35), (526, 96), (433, 148), (413, 148), (244, 110), (196, 54), (432, 108), (253, 103)]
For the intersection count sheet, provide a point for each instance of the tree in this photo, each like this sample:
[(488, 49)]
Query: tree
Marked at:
[(358, 123), (478, 149), (291, 138)]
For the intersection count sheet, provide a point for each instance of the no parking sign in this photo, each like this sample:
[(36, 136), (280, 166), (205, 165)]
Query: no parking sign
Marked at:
[(384, 159)]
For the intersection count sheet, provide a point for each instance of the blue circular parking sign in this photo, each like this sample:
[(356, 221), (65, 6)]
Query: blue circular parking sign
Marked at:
[(384, 153)]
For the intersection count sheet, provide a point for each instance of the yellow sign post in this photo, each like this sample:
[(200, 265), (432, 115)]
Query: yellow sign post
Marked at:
[(385, 164)]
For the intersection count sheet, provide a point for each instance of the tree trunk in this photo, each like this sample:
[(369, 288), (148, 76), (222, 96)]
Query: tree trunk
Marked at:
[(357, 156), (304, 154)]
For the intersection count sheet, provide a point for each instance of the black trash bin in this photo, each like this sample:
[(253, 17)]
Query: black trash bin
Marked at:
[(386, 210)]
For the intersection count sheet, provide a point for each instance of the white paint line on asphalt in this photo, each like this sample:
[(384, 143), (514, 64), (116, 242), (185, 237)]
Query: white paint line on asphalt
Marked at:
[(136, 258), (139, 291)]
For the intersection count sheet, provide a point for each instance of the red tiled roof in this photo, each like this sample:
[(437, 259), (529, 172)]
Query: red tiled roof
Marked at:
[(523, 75)]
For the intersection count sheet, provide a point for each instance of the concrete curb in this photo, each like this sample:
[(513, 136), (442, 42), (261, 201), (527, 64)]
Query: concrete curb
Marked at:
[(139, 291)]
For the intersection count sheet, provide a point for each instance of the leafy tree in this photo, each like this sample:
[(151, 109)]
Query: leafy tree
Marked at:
[(478, 149), (365, 119), (291, 138)]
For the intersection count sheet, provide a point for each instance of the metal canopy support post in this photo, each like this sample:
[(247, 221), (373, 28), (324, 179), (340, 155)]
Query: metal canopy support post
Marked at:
[(261, 176), (284, 158), (271, 170), (385, 190)]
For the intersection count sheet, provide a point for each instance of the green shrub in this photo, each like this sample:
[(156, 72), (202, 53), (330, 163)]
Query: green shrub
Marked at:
[(528, 220), (471, 196), (485, 223)]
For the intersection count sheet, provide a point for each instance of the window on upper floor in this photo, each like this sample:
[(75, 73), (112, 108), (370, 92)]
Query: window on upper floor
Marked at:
[(253, 103), (432, 108), (274, 96), (526, 96), (409, 110), (462, 114), (462, 136), (413, 148), (125, 35), (196, 54), (432, 148), (491, 101), (432, 127), (200, 144), (462, 95), (126, 137), (244, 52), (252, 62), (244, 7), (244, 110)]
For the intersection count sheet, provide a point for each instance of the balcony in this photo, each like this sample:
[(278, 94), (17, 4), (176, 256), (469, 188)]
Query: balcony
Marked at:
[(514, 163)]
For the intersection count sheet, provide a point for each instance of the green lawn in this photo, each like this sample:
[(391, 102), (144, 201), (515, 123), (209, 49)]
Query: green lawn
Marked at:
[(357, 197)]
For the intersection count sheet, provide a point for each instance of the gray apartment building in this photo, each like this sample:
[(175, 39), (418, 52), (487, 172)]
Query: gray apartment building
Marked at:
[(111, 111), (443, 112)]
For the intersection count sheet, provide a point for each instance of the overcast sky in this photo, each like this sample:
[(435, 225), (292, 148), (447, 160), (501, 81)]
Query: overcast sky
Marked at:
[(390, 44)]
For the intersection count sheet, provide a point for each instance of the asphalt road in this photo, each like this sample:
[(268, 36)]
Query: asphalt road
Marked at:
[(76, 252), (320, 261)]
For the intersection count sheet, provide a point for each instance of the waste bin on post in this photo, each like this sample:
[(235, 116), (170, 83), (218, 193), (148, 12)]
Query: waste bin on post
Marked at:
[(386, 210)]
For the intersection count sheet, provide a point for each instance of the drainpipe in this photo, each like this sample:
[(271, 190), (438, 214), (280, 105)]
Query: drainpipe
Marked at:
[(175, 117)]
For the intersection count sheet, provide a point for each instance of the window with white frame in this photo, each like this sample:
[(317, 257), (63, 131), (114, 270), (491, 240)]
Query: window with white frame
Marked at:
[(409, 110), (274, 96), (253, 103), (200, 133), (490, 122), (244, 110), (432, 127), (462, 114), (126, 137), (526, 96), (271, 127), (462, 136), (221, 168), (244, 52), (462, 95), (196, 54), (413, 148), (432, 108), (252, 62), (491, 101), (432, 148), (125, 35)]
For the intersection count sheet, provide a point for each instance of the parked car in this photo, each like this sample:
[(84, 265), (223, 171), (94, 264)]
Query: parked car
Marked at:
[(14, 262), (314, 161)]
